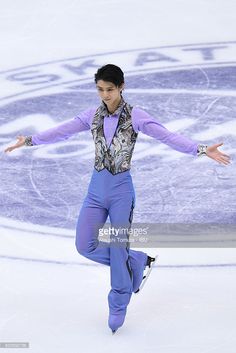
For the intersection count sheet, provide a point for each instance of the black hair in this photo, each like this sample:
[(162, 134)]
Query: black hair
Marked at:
[(110, 73)]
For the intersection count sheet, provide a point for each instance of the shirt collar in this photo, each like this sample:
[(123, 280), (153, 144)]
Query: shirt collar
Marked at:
[(105, 112)]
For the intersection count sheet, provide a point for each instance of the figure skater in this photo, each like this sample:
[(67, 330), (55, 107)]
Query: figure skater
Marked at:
[(115, 125)]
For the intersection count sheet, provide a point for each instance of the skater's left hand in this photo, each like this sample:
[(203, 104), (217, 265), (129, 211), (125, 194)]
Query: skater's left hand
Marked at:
[(218, 156)]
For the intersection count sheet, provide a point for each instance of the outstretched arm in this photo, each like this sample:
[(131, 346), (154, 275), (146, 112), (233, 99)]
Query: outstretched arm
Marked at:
[(58, 133), (148, 125)]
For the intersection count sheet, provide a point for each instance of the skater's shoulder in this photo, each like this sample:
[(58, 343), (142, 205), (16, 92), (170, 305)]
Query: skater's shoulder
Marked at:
[(139, 115), (139, 110), (87, 115)]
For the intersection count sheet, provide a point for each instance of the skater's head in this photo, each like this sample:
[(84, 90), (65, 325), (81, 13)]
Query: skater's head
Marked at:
[(109, 81), (110, 73)]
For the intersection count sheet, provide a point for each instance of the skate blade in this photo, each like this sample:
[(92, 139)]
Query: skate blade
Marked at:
[(146, 276), (113, 331)]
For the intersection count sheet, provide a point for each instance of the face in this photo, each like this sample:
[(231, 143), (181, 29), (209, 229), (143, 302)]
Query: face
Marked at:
[(109, 92)]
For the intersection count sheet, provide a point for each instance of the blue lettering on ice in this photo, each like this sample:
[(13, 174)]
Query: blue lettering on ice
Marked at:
[(32, 77), (154, 56), (81, 69), (207, 52)]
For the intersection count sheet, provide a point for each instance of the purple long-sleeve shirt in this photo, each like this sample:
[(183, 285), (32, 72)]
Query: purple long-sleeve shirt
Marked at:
[(141, 121)]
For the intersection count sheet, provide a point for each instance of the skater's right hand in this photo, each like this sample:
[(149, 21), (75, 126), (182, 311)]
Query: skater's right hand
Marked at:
[(20, 143)]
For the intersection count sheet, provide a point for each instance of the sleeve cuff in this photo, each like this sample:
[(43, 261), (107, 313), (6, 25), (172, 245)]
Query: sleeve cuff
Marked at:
[(28, 141), (201, 150)]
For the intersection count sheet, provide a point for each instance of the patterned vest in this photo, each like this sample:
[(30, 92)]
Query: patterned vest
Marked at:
[(117, 157)]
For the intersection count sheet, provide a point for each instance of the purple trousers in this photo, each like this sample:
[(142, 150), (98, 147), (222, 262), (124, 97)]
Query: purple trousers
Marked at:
[(113, 196)]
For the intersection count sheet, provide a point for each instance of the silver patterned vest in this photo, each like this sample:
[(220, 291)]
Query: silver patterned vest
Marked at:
[(117, 157)]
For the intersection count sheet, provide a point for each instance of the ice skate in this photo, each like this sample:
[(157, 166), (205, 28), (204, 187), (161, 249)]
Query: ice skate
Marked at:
[(148, 268), (116, 320)]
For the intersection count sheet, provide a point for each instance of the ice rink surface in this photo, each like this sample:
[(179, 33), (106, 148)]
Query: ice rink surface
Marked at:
[(179, 59)]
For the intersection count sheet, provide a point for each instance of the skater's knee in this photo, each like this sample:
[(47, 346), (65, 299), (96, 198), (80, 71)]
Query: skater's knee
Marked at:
[(83, 249)]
